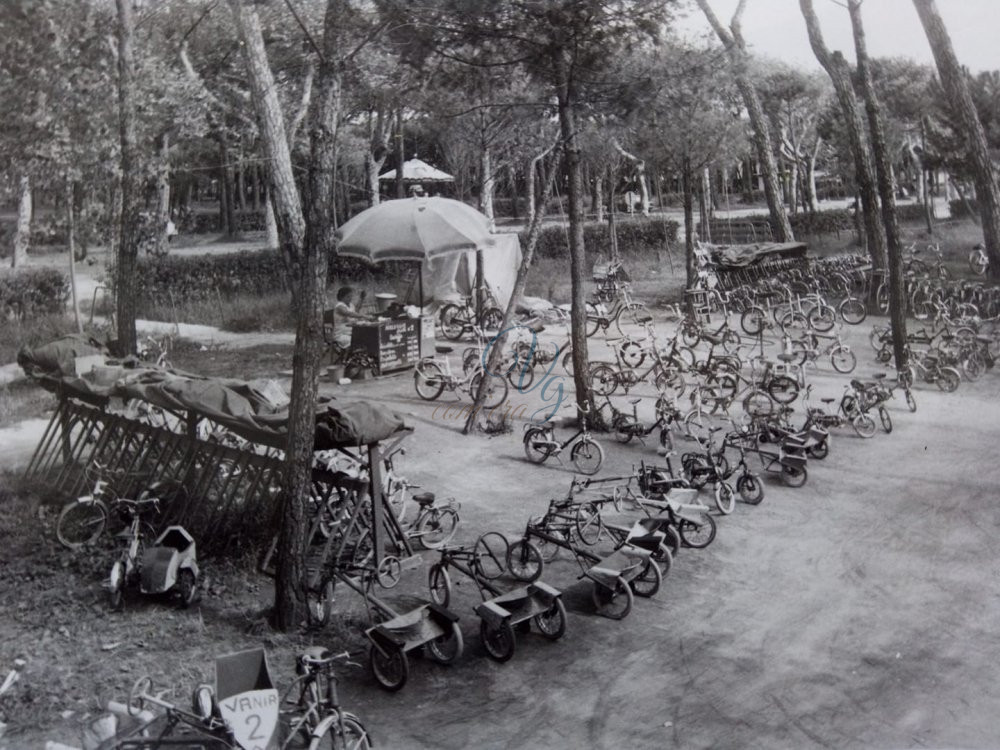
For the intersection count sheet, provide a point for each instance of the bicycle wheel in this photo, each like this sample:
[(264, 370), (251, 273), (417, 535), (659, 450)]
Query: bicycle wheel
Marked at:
[(690, 334), (751, 489), (783, 389), (492, 319), (631, 353), (593, 319), (116, 587), (614, 603), (81, 522), (883, 415), (587, 456), (697, 534), (672, 538), (911, 403), (589, 523), (730, 341), (758, 404), (448, 646), (978, 262), (724, 385), (635, 313), (752, 321), (452, 323), (973, 366), (843, 359), (436, 527), (353, 737), (524, 561), (669, 377), (496, 390), (603, 379), (882, 298), (538, 445), (648, 582), (725, 498), (391, 669), (821, 450), (793, 476), (439, 583), (695, 425), (428, 380), (490, 552), (319, 603), (822, 318), (853, 311), (552, 622), (863, 425), (793, 323), (878, 336), (549, 550), (498, 640), (948, 379)]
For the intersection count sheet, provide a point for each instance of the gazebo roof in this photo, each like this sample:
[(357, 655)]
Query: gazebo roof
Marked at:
[(416, 170)]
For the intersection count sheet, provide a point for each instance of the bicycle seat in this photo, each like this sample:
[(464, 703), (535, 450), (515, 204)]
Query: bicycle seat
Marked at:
[(828, 400), (787, 357), (424, 499)]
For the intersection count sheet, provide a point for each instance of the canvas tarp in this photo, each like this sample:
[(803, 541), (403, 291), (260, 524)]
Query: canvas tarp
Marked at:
[(448, 276), (242, 407), (740, 256)]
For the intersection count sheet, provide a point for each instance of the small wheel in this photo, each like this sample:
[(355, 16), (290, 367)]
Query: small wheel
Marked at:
[(136, 696), (730, 341), (821, 450), (864, 425), (883, 415), (793, 476), (614, 603), (496, 390), (698, 534), (436, 527), (490, 555), (690, 334), (752, 321), (974, 367), (521, 376), (843, 359), (452, 325), (389, 571), (631, 353), (911, 402), (448, 646), (320, 604), (634, 313), (116, 587), (625, 427), (884, 355), (593, 320), (428, 380), (648, 582), (725, 498), (793, 322), (758, 404), (538, 445), (948, 379), (783, 389), (80, 523), (439, 583), (187, 587), (669, 377), (391, 670), (567, 362), (552, 622), (524, 561), (499, 642), (492, 319), (822, 318), (852, 311), (353, 736), (549, 550), (751, 489), (587, 456), (589, 523), (672, 538), (603, 379)]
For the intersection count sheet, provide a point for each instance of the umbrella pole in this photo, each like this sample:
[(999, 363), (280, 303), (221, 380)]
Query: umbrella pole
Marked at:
[(420, 275), (479, 286)]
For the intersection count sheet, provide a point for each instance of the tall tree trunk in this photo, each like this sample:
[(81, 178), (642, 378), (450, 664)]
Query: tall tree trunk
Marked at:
[(812, 201), (400, 155), (512, 177), (271, 240), (128, 244), (953, 79), (486, 184), (886, 189), (704, 196), (71, 240), (687, 185), (566, 95), (22, 235), (241, 183), (301, 263), (735, 46), (162, 195), (373, 166), (864, 171)]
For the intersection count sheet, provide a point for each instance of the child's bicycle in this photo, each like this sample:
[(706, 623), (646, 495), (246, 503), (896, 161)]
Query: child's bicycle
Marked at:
[(540, 444)]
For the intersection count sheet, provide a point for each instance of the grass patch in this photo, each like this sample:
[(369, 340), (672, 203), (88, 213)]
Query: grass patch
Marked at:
[(243, 313), (22, 400), (32, 332), (248, 363)]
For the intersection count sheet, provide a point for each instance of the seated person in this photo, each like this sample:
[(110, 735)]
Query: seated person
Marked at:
[(345, 313)]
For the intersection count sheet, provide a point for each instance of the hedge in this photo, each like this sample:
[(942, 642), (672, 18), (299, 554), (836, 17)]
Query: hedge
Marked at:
[(958, 210), (34, 291), (637, 236)]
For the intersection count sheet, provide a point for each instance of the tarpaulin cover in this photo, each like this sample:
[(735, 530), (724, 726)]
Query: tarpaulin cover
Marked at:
[(239, 406), (58, 357), (739, 256)]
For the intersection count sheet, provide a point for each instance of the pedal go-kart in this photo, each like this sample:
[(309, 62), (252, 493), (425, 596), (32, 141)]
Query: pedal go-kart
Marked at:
[(169, 566)]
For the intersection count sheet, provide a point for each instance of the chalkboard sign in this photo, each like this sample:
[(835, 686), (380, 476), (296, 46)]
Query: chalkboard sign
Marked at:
[(399, 345)]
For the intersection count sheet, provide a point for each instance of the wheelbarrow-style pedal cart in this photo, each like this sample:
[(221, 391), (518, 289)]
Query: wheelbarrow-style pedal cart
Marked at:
[(398, 633), (616, 577), (501, 613)]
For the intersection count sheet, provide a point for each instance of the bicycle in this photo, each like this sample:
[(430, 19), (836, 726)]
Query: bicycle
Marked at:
[(434, 525), (808, 349), (157, 350), (979, 261), (599, 317), (434, 375), (627, 426), (127, 568), (586, 455), (202, 728), (457, 319)]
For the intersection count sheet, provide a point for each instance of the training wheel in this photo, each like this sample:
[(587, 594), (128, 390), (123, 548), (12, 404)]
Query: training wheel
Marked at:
[(390, 570)]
